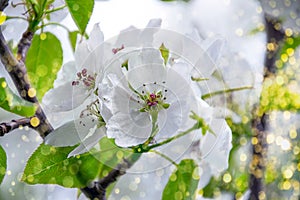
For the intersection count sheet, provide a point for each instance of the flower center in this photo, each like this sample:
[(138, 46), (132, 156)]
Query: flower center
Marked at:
[(151, 101), (86, 79)]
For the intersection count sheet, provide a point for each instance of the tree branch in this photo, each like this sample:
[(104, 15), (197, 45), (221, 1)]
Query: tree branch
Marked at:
[(3, 4), (260, 123), (98, 188), (18, 73), (6, 127), (24, 45)]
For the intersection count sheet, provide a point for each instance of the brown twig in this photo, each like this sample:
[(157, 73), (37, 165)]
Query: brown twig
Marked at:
[(18, 73), (24, 45), (6, 127), (260, 123)]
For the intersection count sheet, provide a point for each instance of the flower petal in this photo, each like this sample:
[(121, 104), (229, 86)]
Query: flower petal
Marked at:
[(171, 120), (215, 149), (96, 37), (154, 23), (128, 38), (66, 74), (129, 129), (144, 57), (71, 133), (148, 74), (81, 53), (123, 100), (89, 142), (205, 174), (214, 47), (65, 97)]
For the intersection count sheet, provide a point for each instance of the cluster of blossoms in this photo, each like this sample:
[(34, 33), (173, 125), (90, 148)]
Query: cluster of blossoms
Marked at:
[(143, 88)]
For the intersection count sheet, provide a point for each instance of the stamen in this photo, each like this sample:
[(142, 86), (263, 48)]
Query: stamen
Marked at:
[(84, 72), (116, 50), (152, 96), (88, 80)]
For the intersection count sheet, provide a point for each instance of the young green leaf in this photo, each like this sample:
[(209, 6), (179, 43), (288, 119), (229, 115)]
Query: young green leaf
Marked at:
[(73, 39), (51, 165), (81, 12), (3, 164), (164, 53), (11, 102), (44, 59), (183, 182)]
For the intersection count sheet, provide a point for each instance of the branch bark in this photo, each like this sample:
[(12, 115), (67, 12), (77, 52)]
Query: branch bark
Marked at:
[(260, 123), (6, 127), (24, 45), (18, 73)]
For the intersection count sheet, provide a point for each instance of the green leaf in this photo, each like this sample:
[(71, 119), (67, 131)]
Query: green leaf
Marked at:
[(13, 103), (111, 155), (201, 124), (51, 165), (43, 61), (125, 65), (73, 39), (3, 164), (183, 182), (164, 53), (81, 12)]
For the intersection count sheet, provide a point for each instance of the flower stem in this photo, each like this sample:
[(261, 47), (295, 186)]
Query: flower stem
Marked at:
[(209, 95), (154, 115), (173, 138), (15, 17), (55, 24), (165, 157), (55, 9)]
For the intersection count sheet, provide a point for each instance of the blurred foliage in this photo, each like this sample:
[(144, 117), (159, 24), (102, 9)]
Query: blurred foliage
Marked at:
[(13, 103), (3, 164), (277, 96), (183, 181)]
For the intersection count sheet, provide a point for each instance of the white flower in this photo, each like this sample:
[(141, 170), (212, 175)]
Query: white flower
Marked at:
[(75, 92), (76, 86), (212, 150), (75, 89), (149, 100)]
